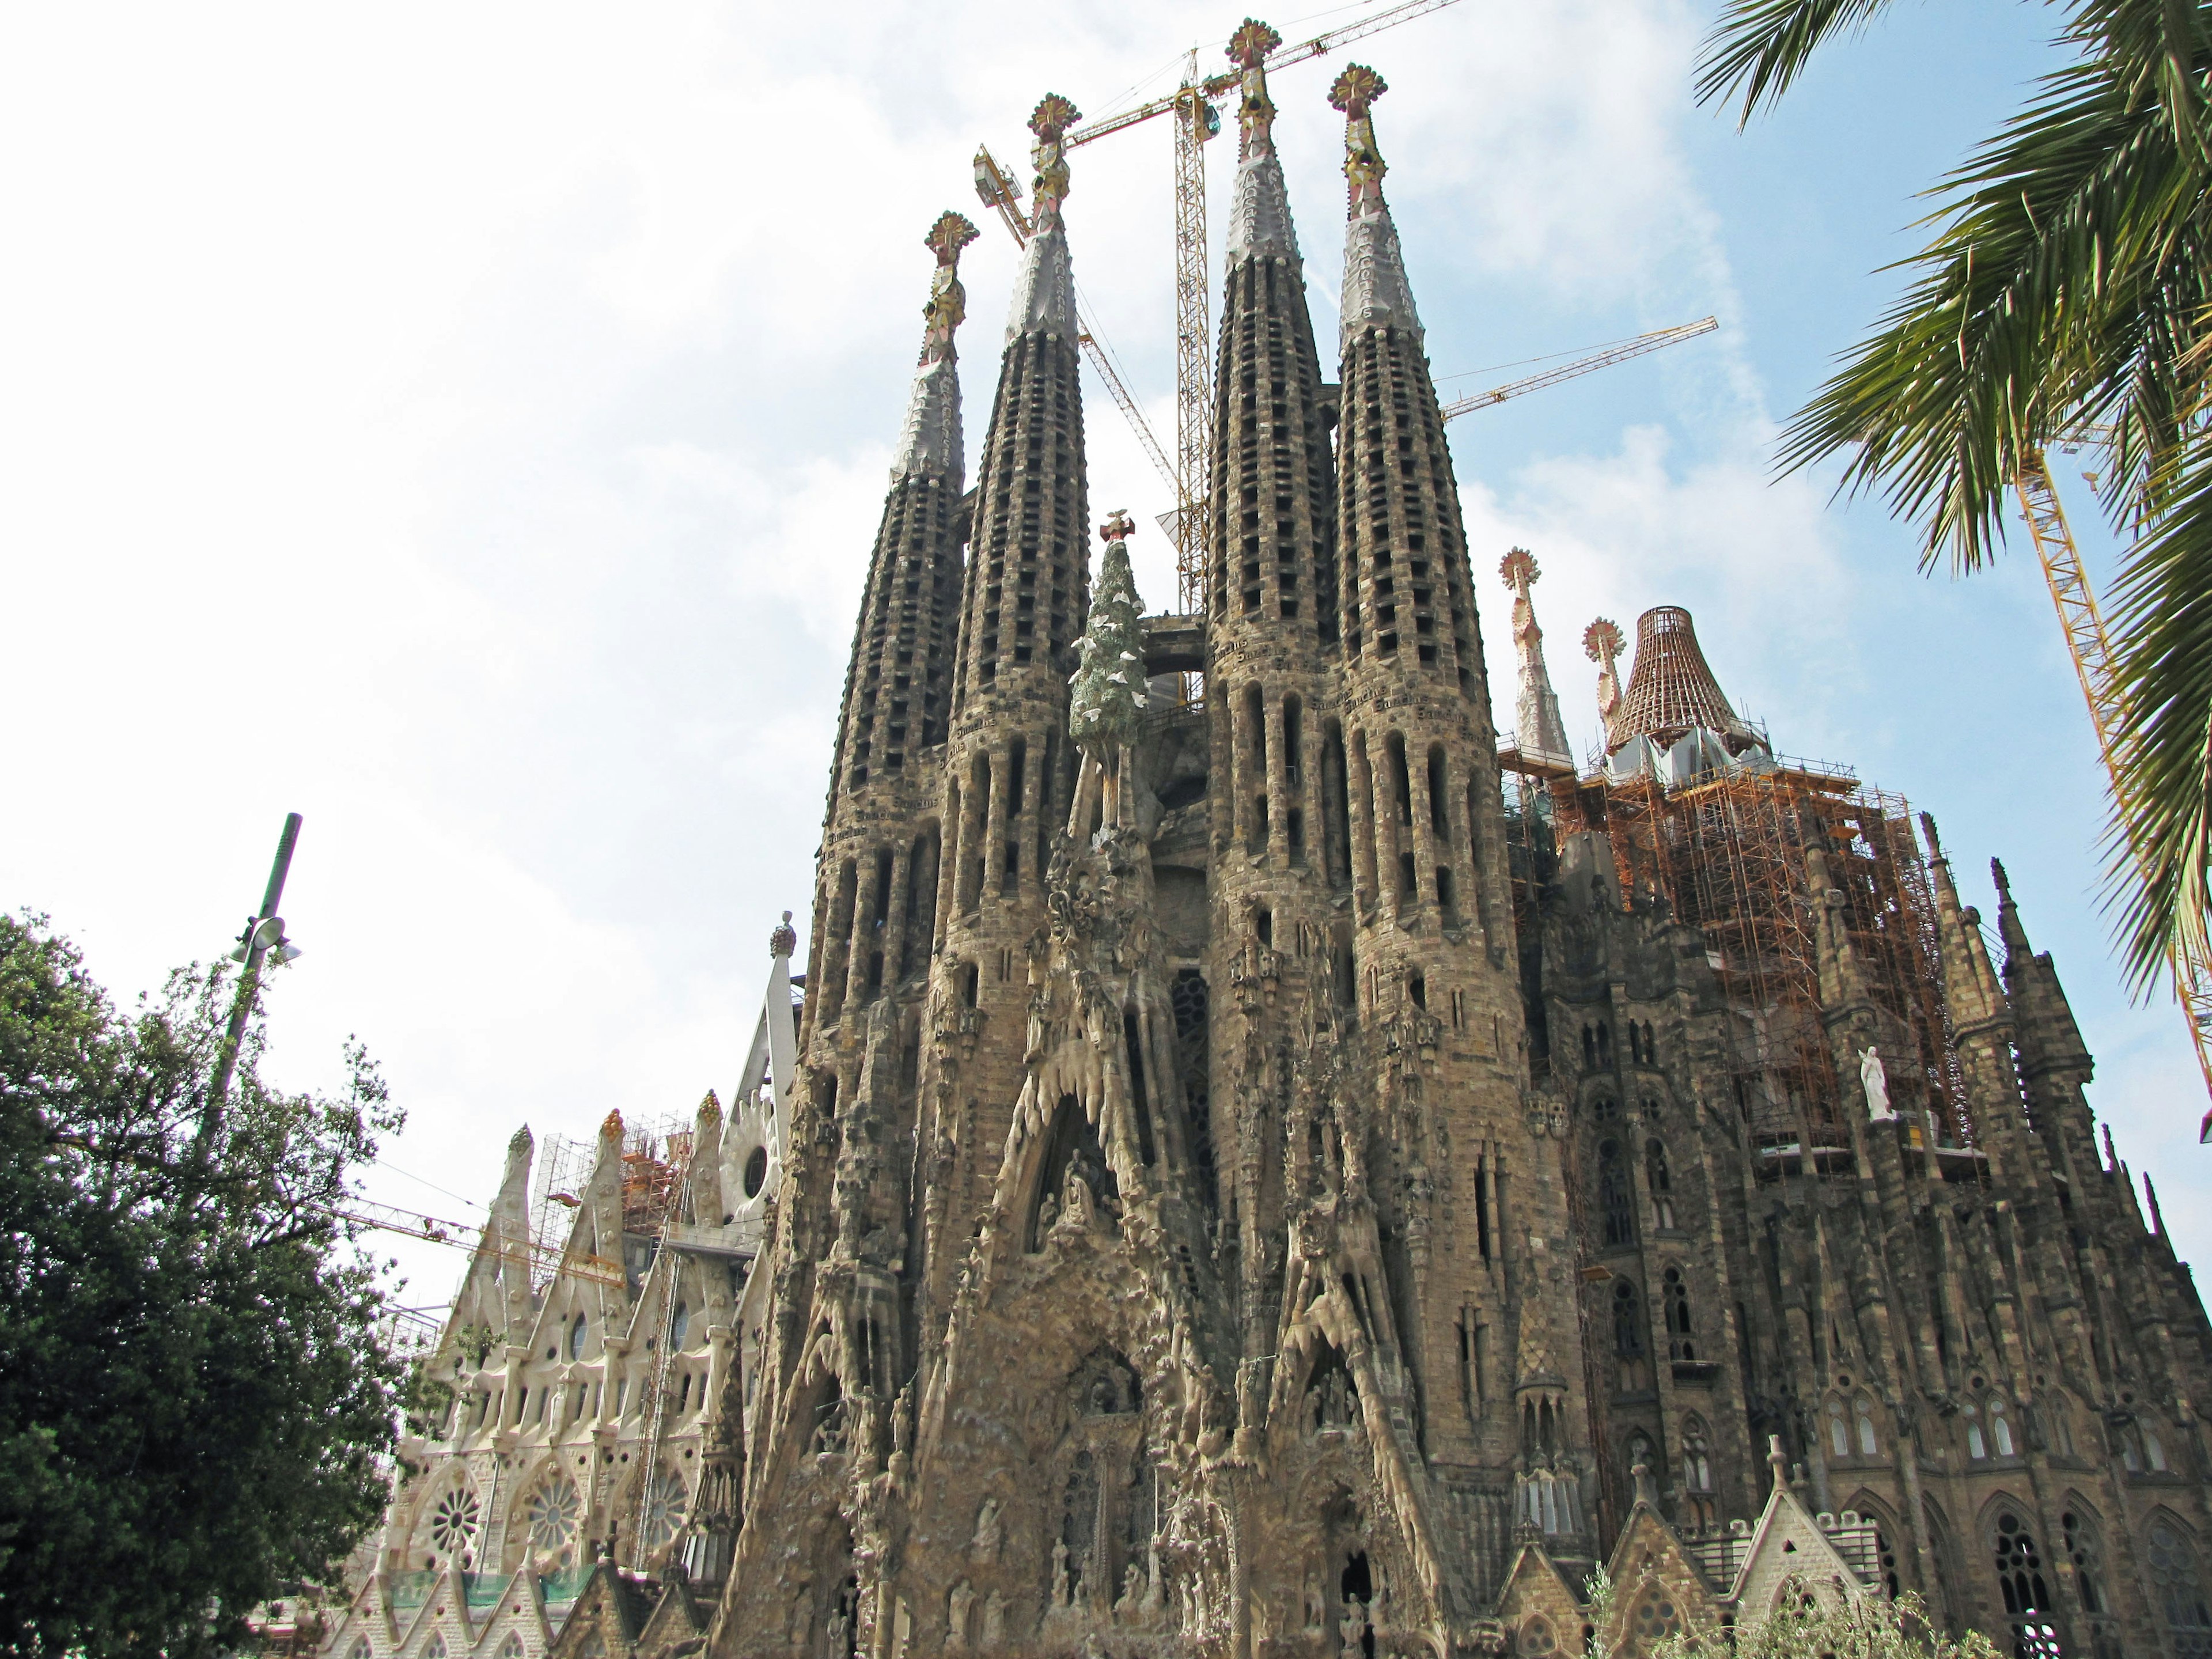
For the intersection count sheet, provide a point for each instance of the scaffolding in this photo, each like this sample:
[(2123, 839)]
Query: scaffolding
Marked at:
[(1726, 854), (561, 1166)]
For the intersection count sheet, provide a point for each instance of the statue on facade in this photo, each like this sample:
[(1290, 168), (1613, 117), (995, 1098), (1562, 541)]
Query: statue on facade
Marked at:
[(1876, 1085)]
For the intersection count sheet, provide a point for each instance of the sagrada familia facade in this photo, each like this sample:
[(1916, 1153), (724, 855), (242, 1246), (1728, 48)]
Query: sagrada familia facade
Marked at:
[(1265, 1164)]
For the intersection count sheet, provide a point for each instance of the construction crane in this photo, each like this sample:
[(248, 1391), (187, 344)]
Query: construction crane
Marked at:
[(2083, 625), (1658, 339), (1197, 120), (470, 1236)]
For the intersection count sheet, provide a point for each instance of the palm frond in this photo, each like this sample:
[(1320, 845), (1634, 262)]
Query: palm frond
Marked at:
[(1760, 47), (2066, 282), (2159, 874)]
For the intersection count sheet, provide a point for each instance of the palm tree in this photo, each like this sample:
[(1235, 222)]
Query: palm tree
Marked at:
[(2064, 289)]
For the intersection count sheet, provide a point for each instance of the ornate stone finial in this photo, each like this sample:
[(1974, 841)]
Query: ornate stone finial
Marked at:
[(1779, 1463), (930, 441), (1260, 207), (1355, 93), (1044, 292), (947, 305), (612, 1129), (521, 1144), (1518, 569), (1997, 875), (1602, 643), (1256, 117), (1050, 121), (710, 1110), (1647, 1490), (783, 939), (1935, 841), (1377, 295), (1118, 527)]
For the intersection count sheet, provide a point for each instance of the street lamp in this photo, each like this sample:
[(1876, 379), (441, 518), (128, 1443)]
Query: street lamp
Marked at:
[(264, 935)]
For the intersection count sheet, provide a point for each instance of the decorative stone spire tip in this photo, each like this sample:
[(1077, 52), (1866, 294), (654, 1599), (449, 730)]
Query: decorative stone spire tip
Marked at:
[(1375, 292), (930, 441), (1044, 292), (1260, 209), (783, 939)]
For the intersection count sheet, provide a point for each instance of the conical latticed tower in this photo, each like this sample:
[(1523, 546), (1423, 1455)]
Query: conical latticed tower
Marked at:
[(1671, 690), (897, 686)]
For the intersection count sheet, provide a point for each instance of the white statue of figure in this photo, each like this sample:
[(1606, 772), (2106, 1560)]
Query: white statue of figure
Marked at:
[(1063, 1591), (962, 1598), (994, 1620), (988, 1534), (1876, 1085)]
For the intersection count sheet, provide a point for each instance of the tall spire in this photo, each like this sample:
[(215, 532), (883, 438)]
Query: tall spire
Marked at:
[(896, 687), (1536, 710), (1260, 207), (1407, 589), (1044, 293), (1273, 477), (1028, 568), (1375, 292), (930, 443)]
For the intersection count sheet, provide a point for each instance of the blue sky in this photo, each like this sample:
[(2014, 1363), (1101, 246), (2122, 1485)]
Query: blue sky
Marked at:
[(467, 429)]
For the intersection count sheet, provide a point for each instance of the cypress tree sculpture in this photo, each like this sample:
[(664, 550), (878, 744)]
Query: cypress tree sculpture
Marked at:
[(1107, 691)]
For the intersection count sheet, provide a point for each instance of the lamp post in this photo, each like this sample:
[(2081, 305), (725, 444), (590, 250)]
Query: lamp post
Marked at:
[(264, 932)]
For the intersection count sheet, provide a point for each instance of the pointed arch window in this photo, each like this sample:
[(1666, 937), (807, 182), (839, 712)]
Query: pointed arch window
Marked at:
[(2084, 1548), (1662, 1186), (2025, 1589), (579, 1329), (1839, 1434), (1628, 1344), (1681, 1339), (1869, 1441), (2178, 1579), (1976, 1446), (2000, 1427), (1612, 1195)]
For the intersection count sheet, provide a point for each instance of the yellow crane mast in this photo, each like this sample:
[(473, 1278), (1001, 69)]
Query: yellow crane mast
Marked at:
[(2083, 625)]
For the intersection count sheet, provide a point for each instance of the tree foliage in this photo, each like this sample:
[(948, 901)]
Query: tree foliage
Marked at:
[(1810, 1625), (2067, 286), (195, 1404)]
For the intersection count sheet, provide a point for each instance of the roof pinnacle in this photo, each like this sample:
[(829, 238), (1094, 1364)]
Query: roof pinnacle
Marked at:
[(1050, 121), (930, 441), (1602, 643), (1355, 93), (1260, 211), (1375, 292), (1536, 711), (1044, 292), (1255, 119)]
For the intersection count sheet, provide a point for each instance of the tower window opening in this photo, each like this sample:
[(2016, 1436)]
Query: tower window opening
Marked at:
[(1439, 815), (1294, 831), (1263, 925), (1408, 886), (1445, 901), (1400, 785), (971, 984), (1417, 988)]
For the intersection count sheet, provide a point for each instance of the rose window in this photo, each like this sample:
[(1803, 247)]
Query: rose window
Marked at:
[(666, 1500), (1656, 1620), (554, 1508), (454, 1521)]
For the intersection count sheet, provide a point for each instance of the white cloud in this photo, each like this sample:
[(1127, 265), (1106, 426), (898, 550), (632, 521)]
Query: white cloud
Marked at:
[(468, 426)]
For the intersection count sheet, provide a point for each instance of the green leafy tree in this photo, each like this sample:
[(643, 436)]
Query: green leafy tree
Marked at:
[(1809, 1626), (2065, 282), (196, 1403)]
